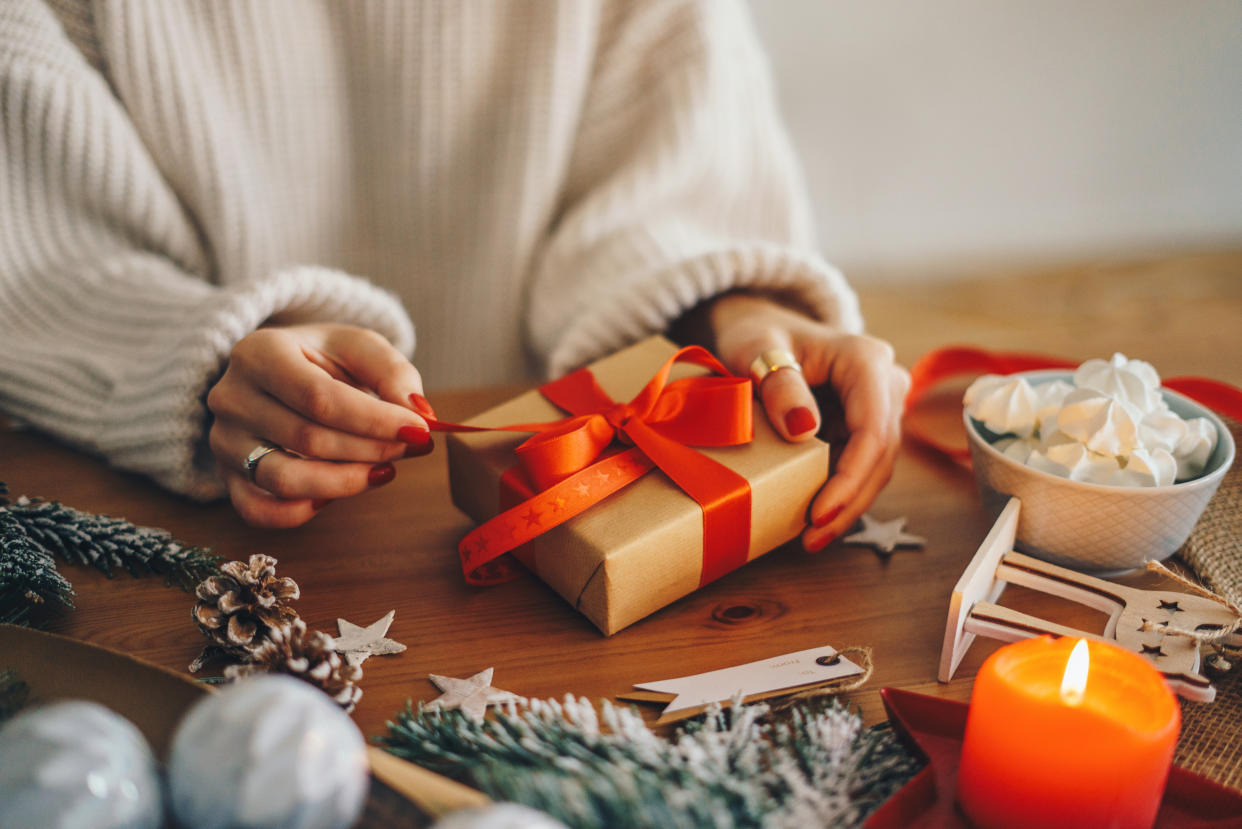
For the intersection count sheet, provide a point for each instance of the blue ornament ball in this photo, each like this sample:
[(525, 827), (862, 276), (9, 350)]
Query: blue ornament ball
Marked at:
[(73, 764)]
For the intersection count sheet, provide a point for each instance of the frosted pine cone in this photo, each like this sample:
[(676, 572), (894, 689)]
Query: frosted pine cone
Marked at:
[(238, 609), (307, 656)]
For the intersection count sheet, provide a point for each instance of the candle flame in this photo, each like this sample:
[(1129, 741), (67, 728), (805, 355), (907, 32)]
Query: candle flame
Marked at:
[(1074, 682)]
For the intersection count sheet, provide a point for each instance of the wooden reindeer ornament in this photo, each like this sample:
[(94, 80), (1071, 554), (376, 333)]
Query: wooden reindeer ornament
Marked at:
[(1165, 626)]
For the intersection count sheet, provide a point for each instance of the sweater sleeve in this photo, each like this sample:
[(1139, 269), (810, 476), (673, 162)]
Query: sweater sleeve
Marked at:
[(112, 325), (683, 185)]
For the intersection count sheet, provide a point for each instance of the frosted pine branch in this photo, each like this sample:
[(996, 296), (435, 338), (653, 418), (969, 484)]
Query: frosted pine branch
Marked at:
[(815, 767), (34, 533), (28, 575), (108, 543)]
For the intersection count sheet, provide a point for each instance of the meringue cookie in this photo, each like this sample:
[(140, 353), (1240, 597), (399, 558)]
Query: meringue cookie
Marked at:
[(1102, 423), (1145, 370), (1016, 449), (1038, 460), (1161, 430), (1083, 464), (1149, 468), (1112, 425), (1005, 405), (1194, 449), (1050, 434), (1076, 462), (1049, 397), (1131, 381)]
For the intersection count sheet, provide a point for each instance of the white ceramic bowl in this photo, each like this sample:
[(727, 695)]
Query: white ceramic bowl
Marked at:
[(1092, 527)]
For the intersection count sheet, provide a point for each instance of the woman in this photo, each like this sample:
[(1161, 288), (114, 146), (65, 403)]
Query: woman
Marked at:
[(221, 224)]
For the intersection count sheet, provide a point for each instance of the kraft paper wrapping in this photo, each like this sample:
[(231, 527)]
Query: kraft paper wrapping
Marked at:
[(642, 548)]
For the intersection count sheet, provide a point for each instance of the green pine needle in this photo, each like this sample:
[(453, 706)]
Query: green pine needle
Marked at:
[(735, 768)]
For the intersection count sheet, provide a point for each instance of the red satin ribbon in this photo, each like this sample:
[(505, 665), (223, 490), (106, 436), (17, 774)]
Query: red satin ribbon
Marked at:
[(565, 468), (954, 361)]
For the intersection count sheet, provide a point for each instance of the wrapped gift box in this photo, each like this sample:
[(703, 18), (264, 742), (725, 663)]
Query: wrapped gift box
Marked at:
[(641, 548)]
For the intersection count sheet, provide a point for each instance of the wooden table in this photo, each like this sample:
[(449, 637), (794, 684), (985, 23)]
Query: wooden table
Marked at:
[(394, 547)]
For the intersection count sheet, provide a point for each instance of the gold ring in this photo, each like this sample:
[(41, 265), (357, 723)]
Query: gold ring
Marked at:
[(257, 454), (774, 359)]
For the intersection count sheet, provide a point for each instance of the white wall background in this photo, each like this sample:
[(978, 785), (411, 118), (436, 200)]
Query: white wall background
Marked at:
[(946, 134)]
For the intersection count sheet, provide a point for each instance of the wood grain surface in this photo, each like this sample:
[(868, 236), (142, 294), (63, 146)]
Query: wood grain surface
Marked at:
[(395, 547)]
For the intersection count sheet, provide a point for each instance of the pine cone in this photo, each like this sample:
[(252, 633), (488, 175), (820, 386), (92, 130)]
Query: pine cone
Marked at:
[(307, 656), (239, 609)]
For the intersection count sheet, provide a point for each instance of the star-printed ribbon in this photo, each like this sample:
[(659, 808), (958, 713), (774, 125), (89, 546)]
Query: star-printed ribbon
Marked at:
[(941, 364), (570, 465)]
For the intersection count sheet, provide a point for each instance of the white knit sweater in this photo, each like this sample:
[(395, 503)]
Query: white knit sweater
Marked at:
[(533, 183)]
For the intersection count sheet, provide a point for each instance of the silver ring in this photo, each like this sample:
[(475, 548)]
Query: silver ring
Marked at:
[(257, 454), (774, 359)]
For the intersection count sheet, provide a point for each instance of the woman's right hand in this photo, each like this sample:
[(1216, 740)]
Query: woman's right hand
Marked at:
[(340, 399)]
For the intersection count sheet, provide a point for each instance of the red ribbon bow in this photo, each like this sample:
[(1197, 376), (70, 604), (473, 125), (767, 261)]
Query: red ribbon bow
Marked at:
[(568, 468)]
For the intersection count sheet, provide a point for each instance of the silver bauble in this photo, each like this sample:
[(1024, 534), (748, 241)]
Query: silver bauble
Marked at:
[(499, 816), (76, 764), (269, 751)]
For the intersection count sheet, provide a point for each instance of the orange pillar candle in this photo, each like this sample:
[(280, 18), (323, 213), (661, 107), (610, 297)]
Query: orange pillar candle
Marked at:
[(1049, 747)]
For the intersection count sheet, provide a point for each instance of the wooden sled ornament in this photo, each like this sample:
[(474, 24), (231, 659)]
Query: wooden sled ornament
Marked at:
[(1134, 621)]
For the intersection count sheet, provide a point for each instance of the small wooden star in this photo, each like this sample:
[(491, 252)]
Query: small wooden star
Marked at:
[(1172, 607), (470, 696), (884, 536), (356, 643)]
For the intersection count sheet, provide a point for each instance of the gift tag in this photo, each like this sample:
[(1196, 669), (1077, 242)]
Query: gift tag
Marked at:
[(754, 680)]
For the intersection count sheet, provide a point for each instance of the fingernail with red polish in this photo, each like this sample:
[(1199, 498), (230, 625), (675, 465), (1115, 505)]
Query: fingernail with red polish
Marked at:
[(381, 474), (417, 450), (421, 405), (318, 505), (819, 544), (826, 519), (799, 420), (414, 435)]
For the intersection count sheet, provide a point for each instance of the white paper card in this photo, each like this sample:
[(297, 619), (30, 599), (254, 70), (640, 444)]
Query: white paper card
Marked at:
[(786, 671)]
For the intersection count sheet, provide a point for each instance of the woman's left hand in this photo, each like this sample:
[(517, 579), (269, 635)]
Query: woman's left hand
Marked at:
[(871, 386)]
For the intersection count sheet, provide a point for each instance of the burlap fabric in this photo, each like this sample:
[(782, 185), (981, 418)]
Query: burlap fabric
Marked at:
[(1211, 742), (1214, 549)]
